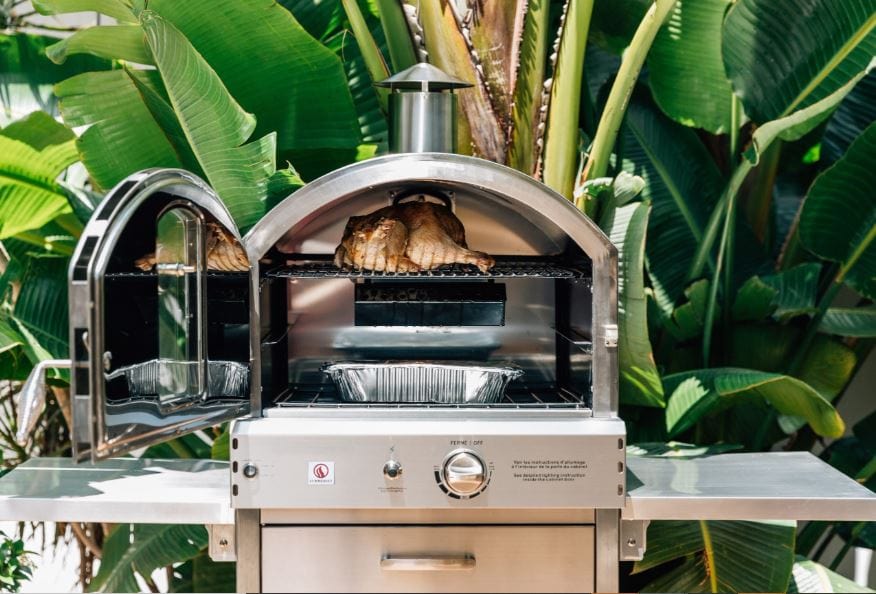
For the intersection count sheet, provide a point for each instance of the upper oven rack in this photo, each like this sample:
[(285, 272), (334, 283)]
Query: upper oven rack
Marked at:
[(300, 266)]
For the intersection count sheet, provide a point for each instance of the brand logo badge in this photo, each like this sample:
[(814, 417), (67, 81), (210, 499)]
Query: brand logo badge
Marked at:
[(320, 473)]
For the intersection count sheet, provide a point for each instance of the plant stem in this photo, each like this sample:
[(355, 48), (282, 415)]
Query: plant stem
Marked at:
[(622, 89), (374, 61), (561, 134), (846, 546), (710, 234), (710, 556), (728, 200), (735, 123)]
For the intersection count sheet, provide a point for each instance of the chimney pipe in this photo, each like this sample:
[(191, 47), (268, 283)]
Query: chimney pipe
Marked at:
[(422, 110)]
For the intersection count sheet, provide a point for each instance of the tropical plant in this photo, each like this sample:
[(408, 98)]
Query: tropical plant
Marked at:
[(722, 145), (14, 564)]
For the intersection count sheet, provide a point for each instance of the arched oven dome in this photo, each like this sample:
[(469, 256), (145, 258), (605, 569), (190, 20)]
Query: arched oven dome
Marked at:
[(504, 211)]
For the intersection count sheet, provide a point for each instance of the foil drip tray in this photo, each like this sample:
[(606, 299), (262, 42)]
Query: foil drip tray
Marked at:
[(224, 378), (421, 381)]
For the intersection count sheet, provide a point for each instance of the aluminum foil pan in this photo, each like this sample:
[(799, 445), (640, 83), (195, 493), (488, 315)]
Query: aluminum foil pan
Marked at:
[(228, 379), (421, 381)]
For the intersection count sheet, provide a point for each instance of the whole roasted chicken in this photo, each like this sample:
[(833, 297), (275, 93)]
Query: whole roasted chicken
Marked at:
[(407, 237), (224, 252)]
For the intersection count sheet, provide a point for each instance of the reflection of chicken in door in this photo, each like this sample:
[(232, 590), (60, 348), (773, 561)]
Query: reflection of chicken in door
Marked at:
[(407, 237)]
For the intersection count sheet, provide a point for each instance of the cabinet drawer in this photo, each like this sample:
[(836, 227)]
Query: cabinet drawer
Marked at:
[(428, 559)]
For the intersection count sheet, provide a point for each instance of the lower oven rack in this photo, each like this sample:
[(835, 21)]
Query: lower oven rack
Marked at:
[(519, 397)]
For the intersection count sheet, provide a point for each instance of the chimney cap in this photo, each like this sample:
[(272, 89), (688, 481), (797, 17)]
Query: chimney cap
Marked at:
[(422, 77)]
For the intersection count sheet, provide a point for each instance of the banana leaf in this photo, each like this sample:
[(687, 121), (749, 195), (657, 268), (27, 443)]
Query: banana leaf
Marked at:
[(686, 72), (781, 57), (838, 221), (694, 394), (720, 556), (144, 548)]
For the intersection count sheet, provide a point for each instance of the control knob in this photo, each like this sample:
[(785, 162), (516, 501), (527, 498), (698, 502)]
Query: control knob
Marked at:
[(464, 473), (392, 470)]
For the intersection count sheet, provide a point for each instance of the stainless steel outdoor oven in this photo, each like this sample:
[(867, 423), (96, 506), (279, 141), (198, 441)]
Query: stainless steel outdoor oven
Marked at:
[(525, 493)]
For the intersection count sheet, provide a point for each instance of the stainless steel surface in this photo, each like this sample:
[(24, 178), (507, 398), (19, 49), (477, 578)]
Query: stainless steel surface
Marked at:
[(422, 122), (508, 558), (532, 461), (392, 470), (220, 542), (765, 486), (428, 563), (607, 566), (464, 473), (248, 541), (224, 378), (633, 539), (102, 428), (478, 516), (498, 205), (32, 397), (421, 381), (122, 490)]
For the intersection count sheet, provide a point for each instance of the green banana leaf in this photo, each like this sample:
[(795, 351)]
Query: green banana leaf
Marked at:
[(41, 308), (639, 379), (27, 75), (683, 185), (30, 197), (123, 136), (809, 576), (38, 130), (859, 322), (755, 300), (687, 320), (828, 366), (118, 9), (272, 67), (781, 57), (796, 290), (686, 72), (214, 124), (694, 394), (854, 114), (615, 22), (144, 548), (720, 556), (119, 42), (838, 220)]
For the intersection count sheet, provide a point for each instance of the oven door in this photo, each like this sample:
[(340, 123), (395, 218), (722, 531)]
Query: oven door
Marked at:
[(159, 339)]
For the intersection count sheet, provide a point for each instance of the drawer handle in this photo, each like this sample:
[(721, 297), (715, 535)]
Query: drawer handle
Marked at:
[(429, 563)]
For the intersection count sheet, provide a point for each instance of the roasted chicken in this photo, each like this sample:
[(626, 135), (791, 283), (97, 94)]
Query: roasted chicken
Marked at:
[(407, 237), (224, 252)]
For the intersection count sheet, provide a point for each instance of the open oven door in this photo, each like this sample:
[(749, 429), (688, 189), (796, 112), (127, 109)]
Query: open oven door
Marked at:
[(159, 339)]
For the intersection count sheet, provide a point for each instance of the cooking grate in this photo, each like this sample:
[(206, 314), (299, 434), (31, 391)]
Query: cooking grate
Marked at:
[(504, 268), (324, 395)]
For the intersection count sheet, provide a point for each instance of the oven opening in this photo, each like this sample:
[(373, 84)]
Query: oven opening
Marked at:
[(528, 317)]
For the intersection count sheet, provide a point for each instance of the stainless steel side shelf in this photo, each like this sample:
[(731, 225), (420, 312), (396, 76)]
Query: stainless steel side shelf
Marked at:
[(121, 490), (764, 486)]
